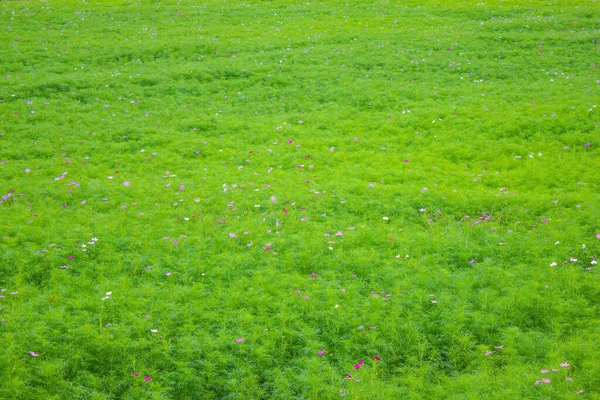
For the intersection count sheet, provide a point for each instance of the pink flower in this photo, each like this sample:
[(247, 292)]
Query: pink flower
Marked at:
[(168, 273), (126, 183), (598, 236), (544, 371), (377, 358), (70, 257), (321, 352), (136, 374), (472, 262), (568, 378), (240, 340), (175, 242), (181, 187), (357, 366), (487, 353), (565, 364), (34, 354), (147, 378), (312, 275), (27, 170), (348, 376)]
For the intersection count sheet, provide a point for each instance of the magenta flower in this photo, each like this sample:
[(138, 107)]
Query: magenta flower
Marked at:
[(175, 242), (472, 262), (312, 275), (136, 374), (181, 187), (147, 378), (357, 366), (598, 236), (34, 354), (377, 358), (240, 340), (321, 352), (348, 376)]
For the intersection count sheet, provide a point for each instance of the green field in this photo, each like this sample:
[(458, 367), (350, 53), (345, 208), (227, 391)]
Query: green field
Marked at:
[(299, 199)]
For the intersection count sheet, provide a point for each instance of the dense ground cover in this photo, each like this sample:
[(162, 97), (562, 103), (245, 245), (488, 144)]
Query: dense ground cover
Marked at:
[(244, 200)]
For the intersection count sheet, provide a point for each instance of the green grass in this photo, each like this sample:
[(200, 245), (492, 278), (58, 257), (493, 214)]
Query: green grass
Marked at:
[(449, 157)]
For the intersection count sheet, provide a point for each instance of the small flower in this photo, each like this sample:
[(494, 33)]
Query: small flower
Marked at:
[(377, 358), (321, 352), (33, 354), (136, 374), (168, 273), (565, 364), (312, 275), (544, 371), (153, 330), (348, 376), (357, 366), (239, 340), (147, 378), (181, 187), (126, 183), (487, 353), (568, 378)]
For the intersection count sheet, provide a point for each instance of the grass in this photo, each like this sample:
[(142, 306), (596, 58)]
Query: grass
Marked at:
[(427, 162)]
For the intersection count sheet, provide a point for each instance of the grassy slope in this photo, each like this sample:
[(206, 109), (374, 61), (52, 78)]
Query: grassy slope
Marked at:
[(213, 93)]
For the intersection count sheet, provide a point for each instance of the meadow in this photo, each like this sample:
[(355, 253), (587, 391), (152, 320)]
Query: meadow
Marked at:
[(299, 199)]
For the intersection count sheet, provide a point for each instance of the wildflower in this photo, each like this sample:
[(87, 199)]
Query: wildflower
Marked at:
[(153, 330), (568, 378), (312, 275), (147, 378), (487, 353), (33, 354), (377, 358), (181, 187), (357, 366), (348, 376), (321, 352), (168, 273), (136, 374), (126, 183), (544, 371), (565, 364), (239, 340)]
